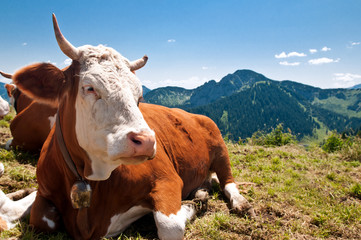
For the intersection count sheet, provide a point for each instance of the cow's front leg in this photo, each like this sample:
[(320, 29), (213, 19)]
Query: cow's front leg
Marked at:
[(169, 213), (12, 211), (172, 226), (44, 216)]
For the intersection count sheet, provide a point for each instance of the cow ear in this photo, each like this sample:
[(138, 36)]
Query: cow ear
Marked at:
[(42, 82), (9, 89)]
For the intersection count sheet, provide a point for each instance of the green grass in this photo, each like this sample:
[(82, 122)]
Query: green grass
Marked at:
[(316, 187)]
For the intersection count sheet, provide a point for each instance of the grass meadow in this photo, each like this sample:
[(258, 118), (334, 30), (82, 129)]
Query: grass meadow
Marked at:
[(297, 193)]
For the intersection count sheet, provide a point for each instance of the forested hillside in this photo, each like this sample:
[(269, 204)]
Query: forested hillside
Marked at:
[(261, 107), (245, 102)]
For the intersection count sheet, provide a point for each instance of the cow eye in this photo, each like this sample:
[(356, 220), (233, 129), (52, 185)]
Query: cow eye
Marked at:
[(88, 89)]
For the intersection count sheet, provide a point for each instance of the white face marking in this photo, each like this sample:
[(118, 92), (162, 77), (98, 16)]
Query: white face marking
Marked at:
[(173, 226), (52, 120), (106, 110), (4, 107), (51, 224), (120, 222)]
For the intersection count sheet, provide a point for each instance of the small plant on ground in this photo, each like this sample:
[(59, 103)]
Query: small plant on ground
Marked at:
[(277, 137), (333, 143), (352, 150)]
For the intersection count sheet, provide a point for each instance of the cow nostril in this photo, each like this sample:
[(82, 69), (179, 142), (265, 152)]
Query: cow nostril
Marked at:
[(142, 144), (137, 142)]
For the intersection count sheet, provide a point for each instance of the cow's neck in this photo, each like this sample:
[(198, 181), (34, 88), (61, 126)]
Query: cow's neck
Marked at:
[(64, 151), (80, 192)]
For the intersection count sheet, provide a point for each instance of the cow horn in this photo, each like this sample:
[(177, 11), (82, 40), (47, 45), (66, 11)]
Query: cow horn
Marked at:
[(6, 75), (66, 47), (137, 64)]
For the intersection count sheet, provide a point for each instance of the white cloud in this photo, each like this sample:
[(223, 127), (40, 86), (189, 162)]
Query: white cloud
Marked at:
[(325, 49), (54, 63), (204, 68), (281, 55), (285, 63), (345, 80), (346, 77), (189, 83), (353, 44), (67, 61), (312, 51), (171, 40), (296, 54), (319, 61), (291, 54), (24, 44)]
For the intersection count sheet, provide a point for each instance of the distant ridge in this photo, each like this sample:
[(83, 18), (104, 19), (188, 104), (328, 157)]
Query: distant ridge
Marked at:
[(356, 86), (3, 92), (246, 101)]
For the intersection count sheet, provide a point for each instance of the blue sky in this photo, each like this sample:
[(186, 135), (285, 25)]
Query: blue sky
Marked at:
[(189, 42)]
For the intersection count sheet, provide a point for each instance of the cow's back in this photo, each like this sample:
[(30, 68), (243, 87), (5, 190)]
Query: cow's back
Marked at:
[(190, 141), (31, 126)]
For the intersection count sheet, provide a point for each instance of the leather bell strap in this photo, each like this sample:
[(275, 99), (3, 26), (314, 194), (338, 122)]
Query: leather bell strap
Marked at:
[(81, 191)]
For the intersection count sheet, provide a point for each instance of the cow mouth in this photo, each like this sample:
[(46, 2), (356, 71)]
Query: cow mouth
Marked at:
[(134, 156), (101, 170), (134, 160)]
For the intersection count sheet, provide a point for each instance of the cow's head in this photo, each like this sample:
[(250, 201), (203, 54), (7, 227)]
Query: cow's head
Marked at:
[(102, 93), (13, 94)]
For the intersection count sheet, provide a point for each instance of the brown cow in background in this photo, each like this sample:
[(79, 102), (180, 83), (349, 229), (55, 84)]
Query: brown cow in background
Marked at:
[(32, 123)]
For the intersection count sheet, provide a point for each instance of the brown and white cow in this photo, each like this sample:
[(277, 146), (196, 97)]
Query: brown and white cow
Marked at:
[(33, 121), (136, 158)]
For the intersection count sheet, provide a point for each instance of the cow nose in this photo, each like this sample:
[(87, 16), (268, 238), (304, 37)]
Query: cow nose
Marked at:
[(143, 144)]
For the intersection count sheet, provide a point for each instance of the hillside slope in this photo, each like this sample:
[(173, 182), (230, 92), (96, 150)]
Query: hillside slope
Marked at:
[(245, 101), (262, 106)]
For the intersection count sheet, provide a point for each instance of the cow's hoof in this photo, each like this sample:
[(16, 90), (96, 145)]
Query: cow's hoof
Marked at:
[(200, 205), (244, 208), (201, 199)]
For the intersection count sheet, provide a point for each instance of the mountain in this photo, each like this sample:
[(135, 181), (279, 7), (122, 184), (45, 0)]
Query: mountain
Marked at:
[(230, 84), (356, 86), (207, 93), (245, 101), (169, 96), (145, 90), (260, 107)]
